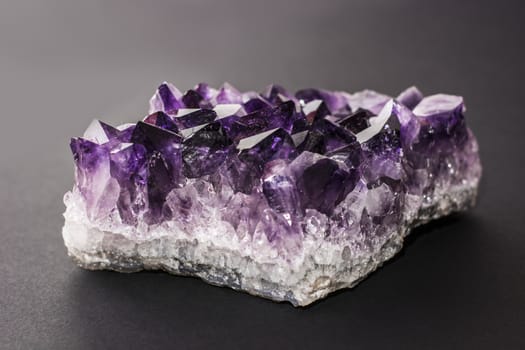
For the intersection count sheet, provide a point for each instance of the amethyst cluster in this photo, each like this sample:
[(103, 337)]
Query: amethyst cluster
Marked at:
[(287, 196)]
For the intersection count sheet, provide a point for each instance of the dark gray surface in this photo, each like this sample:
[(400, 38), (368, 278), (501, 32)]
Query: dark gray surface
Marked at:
[(458, 284)]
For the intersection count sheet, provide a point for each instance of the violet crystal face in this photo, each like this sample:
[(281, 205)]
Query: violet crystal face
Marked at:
[(286, 196)]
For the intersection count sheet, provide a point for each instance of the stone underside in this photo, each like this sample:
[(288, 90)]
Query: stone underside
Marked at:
[(285, 196)]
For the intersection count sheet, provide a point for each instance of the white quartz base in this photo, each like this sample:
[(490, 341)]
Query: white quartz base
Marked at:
[(219, 257)]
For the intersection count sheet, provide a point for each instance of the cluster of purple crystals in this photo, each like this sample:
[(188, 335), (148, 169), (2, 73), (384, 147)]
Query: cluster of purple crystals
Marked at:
[(275, 158)]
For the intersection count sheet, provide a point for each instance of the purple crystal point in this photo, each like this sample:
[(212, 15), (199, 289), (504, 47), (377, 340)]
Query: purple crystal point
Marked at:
[(193, 99), (325, 136), (368, 99), (167, 99), (164, 148), (441, 147), (205, 151), (128, 161), (162, 120), (160, 182), (125, 132), (381, 145), (87, 156), (276, 94), (441, 122), (100, 132), (245, 169), (287, 196), (336, 102), (378, 123), (195, 118), (164, 166), (263, 120), (357, 121), (228, 94), (437, 105), (205, 91), (279, 189), (323, 185), (315, 110), (129, 166), (255, 103), (155, 138), (410, 97), (259, 149), (93, 178)]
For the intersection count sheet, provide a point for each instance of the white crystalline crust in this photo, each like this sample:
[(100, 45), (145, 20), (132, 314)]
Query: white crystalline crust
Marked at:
[(219, 256)]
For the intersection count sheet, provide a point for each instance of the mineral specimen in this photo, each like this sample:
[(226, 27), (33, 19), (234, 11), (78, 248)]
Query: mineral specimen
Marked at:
[(285, 196)]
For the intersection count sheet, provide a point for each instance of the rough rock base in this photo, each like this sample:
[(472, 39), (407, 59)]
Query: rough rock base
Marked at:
[(321, 266)]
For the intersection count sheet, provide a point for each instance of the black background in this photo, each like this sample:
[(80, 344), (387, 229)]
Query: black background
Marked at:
[(459, 283)]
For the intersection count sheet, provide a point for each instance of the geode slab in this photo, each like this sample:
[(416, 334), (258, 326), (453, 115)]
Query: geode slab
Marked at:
[(285, 196)]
